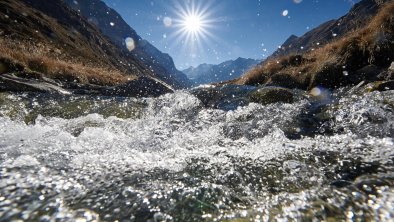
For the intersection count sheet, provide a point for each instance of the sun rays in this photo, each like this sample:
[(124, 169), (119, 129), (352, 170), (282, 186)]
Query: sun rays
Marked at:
[(193, 25)]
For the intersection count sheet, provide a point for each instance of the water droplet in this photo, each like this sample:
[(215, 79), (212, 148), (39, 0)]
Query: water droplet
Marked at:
[(315, 91), (130, 44), (167, 21)]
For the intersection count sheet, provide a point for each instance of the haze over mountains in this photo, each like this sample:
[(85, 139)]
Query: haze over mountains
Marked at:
[(208, 73)]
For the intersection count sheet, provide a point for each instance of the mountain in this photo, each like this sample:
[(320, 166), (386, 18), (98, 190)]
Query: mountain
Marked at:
[(358, 17), (208, 73), (115, 28), (360, 54), (46, 39), (39, 28)]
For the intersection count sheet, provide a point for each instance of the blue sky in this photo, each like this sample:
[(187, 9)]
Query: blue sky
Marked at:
[(232, 28)]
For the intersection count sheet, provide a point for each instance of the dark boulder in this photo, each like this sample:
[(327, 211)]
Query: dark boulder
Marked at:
[(227, 97), (269, 95), (141, 87), (367, 73)]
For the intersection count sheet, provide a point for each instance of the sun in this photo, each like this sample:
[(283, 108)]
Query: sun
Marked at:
[(193, 23), (192, 27)]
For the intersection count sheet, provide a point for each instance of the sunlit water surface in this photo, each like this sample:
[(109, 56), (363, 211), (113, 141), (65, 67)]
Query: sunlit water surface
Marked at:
[(82, 158)]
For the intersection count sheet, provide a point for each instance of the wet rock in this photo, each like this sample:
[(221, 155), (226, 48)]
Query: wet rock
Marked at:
[(11, 82), (36, 82), (83, 89), (141, 87), (208, 95), (383, 86), (387, 74), (371, 185), (368, 73), (380, 86), (227, 97), (340, 183), (269, 95)]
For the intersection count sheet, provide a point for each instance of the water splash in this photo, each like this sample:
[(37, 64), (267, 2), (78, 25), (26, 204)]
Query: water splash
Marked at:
[(171, 159)]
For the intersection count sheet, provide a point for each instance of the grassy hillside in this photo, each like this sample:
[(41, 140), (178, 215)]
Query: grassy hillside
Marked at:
[(31, 60), (46, 38), (102, 16), (336, 64)]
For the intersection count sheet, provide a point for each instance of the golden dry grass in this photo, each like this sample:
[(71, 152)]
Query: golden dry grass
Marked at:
[(323, 66), (23, 56)]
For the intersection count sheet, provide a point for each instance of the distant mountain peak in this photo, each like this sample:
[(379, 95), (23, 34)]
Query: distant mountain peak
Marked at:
[(209, 73)]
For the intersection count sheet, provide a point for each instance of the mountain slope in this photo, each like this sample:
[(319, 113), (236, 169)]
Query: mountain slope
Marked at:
[(208, 73), (48, 37), (361, 55), (358, 16), (114, 27)]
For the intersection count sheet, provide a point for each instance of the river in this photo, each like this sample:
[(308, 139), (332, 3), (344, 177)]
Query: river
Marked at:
[(85, 158)]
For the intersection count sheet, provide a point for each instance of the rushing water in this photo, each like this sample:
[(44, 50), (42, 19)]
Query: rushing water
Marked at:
[(80, 158)]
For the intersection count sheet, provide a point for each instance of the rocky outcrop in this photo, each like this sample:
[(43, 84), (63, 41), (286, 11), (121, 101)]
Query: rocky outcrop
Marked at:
[(115, 28), (11, 82), (141, 87)]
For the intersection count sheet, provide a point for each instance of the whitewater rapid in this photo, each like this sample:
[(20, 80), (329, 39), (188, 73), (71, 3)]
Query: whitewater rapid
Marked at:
[(81, 158)]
